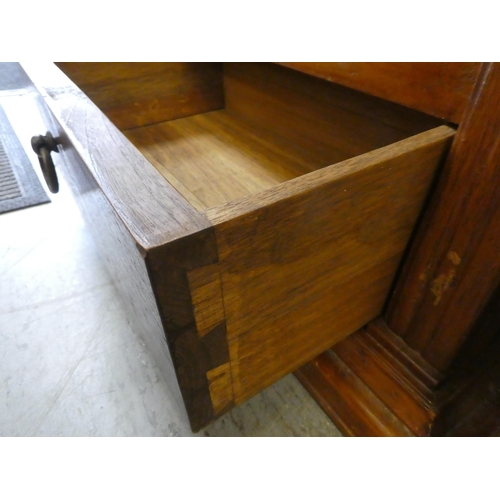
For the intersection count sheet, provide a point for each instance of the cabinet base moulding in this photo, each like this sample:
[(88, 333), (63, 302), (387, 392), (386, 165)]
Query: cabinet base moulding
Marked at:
[(371, 384)]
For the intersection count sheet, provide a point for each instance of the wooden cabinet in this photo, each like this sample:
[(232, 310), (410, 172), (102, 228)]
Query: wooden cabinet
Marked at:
[(424, 365), (252, 215)]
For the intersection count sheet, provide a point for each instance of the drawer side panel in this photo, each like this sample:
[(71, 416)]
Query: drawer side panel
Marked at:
[(309, 262)]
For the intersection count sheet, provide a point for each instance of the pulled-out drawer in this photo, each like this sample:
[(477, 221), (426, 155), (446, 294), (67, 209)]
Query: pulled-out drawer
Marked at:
[(251, 215)]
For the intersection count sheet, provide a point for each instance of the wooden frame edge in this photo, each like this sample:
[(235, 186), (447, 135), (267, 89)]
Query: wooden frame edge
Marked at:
[(201, 359), (360, 384)]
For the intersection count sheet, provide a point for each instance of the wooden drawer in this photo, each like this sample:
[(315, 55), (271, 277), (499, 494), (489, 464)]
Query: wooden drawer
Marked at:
[(251, 215)]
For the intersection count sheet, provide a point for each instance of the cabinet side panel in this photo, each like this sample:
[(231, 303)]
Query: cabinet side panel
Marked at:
[(453, 268), (307, 263)]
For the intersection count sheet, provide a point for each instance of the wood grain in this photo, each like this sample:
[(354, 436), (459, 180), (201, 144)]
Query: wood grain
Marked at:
[(347, 400), (149, 236), (374, 367), (400, 390), (151, 209), (454, 264), (316, 116), (277, 125), (424, 377), (123, 257), (206, 296), (220, 385), (439, 89), (215, 157), (292, 258), (369, 388), (288, 250), (136, 94), (200, 359)]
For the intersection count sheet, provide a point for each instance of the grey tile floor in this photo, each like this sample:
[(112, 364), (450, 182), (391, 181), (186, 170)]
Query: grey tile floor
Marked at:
[(70, 365)]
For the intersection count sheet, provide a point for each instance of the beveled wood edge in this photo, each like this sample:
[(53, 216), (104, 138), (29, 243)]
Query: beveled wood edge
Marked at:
[(356, 404), (428, 376), (148, 205), (360, 406), (310, 181), (347, 400)]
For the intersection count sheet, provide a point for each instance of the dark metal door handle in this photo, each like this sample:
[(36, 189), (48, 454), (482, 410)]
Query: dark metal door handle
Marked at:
[(43, 145)]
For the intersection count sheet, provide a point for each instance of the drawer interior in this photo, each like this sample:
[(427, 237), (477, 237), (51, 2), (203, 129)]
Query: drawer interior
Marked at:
[(220, 132), (300, 233)]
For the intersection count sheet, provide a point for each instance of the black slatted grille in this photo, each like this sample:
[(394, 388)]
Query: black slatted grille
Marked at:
[(9, 187)]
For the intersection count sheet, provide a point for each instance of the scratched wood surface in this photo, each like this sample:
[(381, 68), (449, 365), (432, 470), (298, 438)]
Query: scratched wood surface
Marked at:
[(454, 266), (445, 306)]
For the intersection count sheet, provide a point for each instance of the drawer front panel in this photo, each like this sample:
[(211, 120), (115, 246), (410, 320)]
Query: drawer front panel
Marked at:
[(151, 209), (123, 257), (132, 211)]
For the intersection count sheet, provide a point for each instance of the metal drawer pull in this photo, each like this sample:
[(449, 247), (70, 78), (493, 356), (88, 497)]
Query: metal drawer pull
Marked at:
[(43, 145)]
